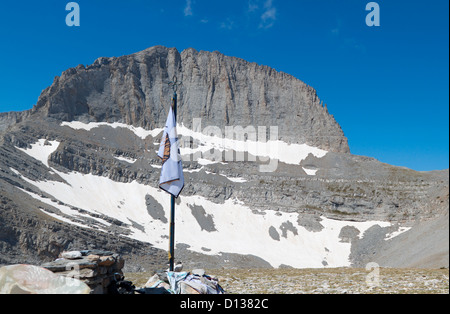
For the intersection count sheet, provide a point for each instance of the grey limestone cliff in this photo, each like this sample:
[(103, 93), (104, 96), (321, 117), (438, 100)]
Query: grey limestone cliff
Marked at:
[(218, 89)]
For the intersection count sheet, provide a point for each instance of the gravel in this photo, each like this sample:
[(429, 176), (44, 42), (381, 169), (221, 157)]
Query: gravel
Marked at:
[(325, 281), (334, 281)]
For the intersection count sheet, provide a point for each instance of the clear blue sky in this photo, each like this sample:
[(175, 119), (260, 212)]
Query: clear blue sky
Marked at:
[(387, 86)]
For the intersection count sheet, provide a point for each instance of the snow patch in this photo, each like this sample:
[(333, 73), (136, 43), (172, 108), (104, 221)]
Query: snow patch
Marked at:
[(126, 159), (237, 228), (237, 180), (41, 150), (310, 172), (277, 150), (205, 162), (64, 209), (140, 132), (397, 233)]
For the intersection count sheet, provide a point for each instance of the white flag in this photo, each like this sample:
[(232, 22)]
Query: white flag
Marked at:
[(171, 179)]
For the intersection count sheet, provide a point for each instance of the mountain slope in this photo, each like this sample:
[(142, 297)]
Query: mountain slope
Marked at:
[(80, 170)]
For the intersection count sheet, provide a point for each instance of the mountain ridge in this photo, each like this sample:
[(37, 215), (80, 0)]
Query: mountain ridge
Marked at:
[(218, 89), (82, 164)]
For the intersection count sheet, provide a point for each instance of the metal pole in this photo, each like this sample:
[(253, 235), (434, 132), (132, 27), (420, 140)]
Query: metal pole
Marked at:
[(172, 204), (172, 233)]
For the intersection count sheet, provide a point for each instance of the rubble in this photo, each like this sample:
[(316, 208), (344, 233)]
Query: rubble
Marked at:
[(96, 268)]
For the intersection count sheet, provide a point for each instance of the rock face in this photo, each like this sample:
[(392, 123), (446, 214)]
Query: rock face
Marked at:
[(220, 90), (10, 118), (66, 185)]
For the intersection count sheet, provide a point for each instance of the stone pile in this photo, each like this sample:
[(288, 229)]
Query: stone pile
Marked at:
[(98, 269)]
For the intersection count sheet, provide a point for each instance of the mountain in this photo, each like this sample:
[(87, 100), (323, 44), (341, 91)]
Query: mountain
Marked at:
[(270, 180), (218, 89)]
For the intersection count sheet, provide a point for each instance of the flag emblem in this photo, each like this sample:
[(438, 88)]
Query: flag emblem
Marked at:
[(166, 154)]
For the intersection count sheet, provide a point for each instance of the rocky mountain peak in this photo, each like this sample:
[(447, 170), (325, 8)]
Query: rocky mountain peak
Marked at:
[(220, 90)]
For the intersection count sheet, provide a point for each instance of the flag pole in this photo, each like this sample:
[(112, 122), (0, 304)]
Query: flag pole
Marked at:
[(172, 233), (174, 84), (172, 204)]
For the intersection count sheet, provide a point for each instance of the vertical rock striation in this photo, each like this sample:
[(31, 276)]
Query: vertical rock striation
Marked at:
[(218, 89)]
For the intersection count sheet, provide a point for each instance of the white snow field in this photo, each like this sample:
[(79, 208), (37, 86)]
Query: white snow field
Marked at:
[(310, 172), (233, 226), (140, 132), (40, 151), (272, 149)]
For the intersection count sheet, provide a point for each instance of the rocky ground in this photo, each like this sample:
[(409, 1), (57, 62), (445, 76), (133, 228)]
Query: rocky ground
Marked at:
[(326, 281)]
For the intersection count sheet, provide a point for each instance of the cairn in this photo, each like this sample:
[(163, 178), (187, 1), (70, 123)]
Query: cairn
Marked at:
[(96, 268)]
